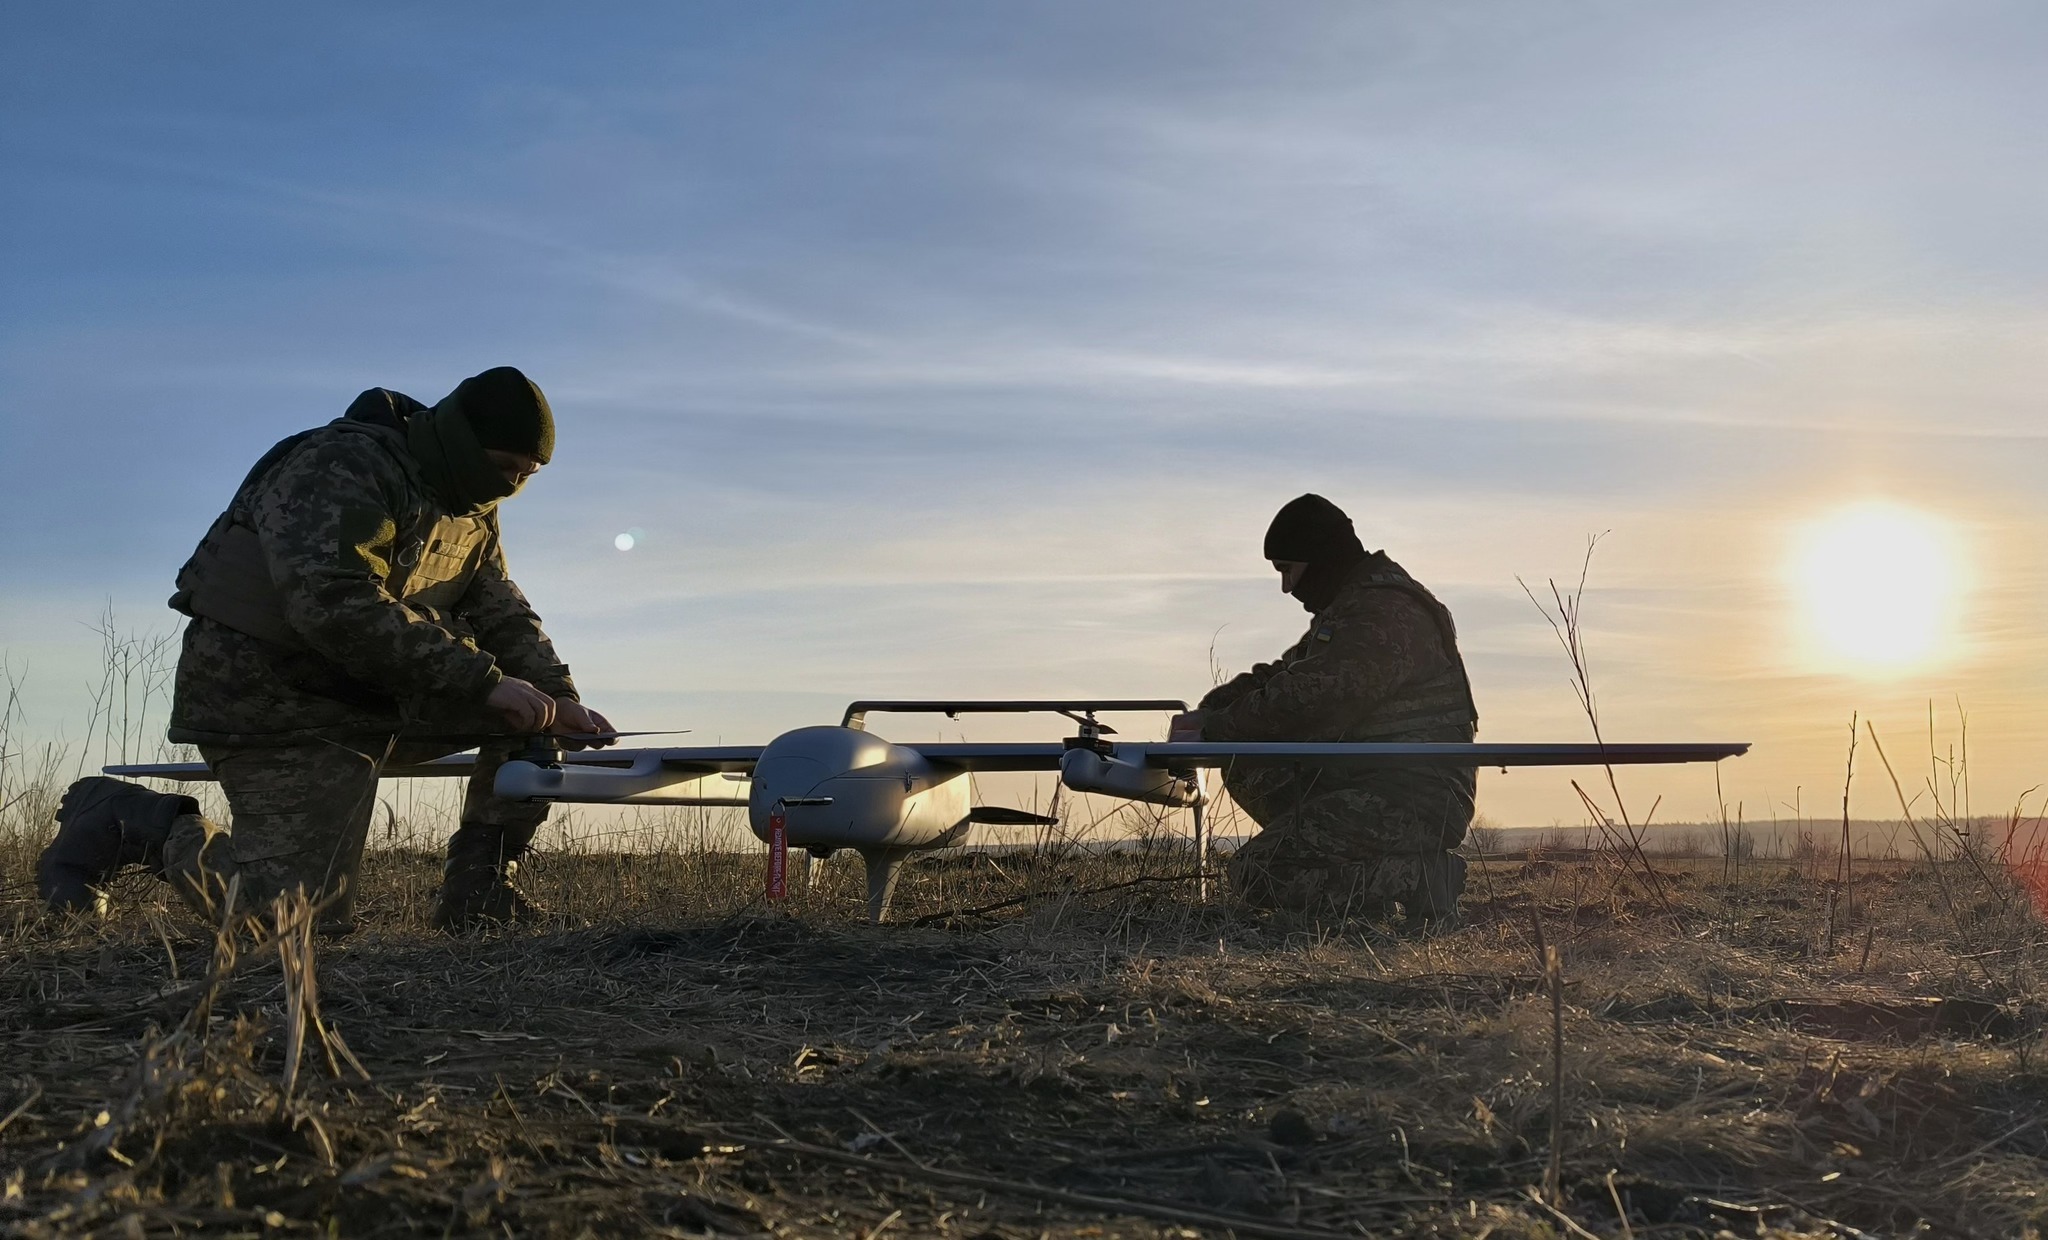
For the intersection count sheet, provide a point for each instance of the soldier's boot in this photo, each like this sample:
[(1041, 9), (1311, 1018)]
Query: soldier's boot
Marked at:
[(477, 890), (104, 824), (1433, 903)]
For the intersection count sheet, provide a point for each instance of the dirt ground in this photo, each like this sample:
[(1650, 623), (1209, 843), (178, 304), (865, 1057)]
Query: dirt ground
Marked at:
[(1757, 1053)]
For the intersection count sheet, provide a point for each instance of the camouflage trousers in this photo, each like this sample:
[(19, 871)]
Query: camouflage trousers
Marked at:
[(1356, 849), (301, 816)]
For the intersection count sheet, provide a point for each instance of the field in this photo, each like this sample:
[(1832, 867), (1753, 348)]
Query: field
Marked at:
[(1757, 1051)]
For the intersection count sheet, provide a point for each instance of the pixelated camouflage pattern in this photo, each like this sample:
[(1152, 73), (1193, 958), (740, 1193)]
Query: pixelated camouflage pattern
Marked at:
[(302, 817), (1390, 811), (393, 609), (1346, 850), (1380, 663)]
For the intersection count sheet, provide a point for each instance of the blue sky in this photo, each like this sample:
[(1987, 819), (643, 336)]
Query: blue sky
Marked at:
[(950, 349)]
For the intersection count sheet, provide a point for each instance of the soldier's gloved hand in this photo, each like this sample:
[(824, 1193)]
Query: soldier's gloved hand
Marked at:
[(1185, 727), (523, 707), (573, 717)]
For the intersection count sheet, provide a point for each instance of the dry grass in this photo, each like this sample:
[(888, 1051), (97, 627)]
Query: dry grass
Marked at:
[(1058, 1042), (677, 1058)]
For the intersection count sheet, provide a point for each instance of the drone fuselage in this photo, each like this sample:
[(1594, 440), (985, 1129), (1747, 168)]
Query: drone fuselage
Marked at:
[(840, 787)]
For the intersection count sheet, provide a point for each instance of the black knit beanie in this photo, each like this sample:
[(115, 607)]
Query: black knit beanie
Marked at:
[(508, 412), (1312, 530)]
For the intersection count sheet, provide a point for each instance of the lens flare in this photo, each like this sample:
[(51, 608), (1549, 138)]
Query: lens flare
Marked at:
[(624, 542), (1878, 584)]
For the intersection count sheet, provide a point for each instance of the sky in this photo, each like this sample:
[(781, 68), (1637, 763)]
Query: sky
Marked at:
[(965, 350)]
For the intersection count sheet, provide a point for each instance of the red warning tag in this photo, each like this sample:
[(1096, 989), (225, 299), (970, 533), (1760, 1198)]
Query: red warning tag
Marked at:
[(778, 854)]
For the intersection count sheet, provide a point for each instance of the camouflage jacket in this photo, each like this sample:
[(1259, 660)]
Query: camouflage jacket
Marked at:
[(1379, 663), (336, 594)]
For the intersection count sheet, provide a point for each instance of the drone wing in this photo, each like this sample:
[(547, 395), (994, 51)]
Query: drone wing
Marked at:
[(1185, 755), (1363, 754), (686, 775), (199, 772), (1167, 773)]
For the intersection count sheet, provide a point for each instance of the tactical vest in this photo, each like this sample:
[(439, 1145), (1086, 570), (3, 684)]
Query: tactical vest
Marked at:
[(1444, 700), (433, 558)]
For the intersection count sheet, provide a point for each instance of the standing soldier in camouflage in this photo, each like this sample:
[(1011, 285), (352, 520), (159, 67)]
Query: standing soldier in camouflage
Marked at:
[(354, 594), (1379, 663)]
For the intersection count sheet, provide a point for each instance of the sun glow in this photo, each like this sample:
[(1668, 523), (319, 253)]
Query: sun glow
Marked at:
[(1878, 586)]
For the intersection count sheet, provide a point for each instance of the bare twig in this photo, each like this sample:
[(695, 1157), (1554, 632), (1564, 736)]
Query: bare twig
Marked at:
[(1563, 616), (1553, 981), (1844, 870), (35, 1094)]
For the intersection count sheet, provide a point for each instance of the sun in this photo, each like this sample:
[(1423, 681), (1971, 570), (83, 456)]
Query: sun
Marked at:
[(1879, 586)]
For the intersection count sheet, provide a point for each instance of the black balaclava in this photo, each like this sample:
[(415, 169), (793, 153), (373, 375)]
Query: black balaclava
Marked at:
[(1313, 531), (500, 408)]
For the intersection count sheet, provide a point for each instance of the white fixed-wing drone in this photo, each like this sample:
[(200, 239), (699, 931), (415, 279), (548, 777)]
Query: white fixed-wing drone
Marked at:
[(825, 788)]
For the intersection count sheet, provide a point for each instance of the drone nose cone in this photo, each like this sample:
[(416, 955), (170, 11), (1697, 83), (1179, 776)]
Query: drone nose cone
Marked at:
[(787, 778), (797, 764), (846, 788)]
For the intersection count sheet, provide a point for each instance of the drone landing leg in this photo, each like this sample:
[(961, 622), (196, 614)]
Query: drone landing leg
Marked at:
[(1201, 856), (883, 865)]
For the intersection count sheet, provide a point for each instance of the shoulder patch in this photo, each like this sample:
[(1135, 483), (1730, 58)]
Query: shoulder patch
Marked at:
[(366, 542), (1323, 633)]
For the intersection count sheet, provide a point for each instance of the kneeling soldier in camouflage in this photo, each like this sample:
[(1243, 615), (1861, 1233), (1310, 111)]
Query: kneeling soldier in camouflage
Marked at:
[(1379, 663), (353, 594)]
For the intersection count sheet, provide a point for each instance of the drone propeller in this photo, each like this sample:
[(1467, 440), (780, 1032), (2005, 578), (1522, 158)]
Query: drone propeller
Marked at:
[(1090, 726)]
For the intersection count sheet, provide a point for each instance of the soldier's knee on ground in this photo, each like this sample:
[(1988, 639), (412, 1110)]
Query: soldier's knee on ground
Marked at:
[(202, 866), (1311, 892), (1262, 871), (1251, 879), (1278, 883), (265, 879)]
